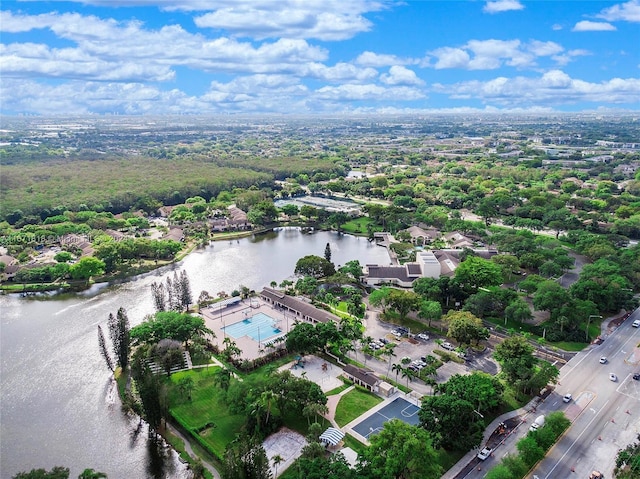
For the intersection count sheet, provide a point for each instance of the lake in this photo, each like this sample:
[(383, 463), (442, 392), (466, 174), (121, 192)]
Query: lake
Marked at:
[(57, 401)]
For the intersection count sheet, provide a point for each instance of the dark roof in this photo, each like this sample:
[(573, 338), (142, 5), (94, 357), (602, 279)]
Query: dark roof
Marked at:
[(304, 308), (384, 272), (365, 375), (414, 269)]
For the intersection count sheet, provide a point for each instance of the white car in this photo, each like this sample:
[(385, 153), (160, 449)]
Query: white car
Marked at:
[(636, 323), (484, 454), (613, 377), (423, 336), (448, 346), (603, 360), (567, 397)]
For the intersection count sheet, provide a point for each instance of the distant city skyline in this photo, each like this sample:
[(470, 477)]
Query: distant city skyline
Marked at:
[(204, 57)]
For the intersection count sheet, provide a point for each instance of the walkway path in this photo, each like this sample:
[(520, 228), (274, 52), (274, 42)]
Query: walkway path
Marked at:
[(332, 404), (190, 451)]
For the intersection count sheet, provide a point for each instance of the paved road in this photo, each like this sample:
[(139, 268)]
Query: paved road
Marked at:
[(605, 414)]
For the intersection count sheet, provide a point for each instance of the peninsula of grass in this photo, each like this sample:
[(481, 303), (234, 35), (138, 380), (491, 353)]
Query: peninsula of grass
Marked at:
[(206, 416), (353, 404)]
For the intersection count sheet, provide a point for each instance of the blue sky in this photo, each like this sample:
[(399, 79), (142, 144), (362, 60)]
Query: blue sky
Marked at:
[(318, 56)]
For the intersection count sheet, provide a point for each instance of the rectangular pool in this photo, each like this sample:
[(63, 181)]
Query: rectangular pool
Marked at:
[(259, 327)]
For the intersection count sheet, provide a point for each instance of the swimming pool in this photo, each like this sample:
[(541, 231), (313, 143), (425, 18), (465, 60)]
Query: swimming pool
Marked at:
[(260, 327)]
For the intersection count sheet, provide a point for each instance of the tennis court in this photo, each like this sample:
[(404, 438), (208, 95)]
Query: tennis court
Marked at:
[(399, 408)]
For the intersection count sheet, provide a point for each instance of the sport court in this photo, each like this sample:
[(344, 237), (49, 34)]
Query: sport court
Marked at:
[(399, 408)]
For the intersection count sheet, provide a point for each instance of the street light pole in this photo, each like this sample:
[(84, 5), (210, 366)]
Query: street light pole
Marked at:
[(588, 323)]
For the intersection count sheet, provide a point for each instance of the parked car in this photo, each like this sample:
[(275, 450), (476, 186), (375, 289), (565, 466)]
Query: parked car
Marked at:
[(636, 376), (484, 454), (567, 397), (423, 336), (613, 377), (603, 360), (448, 346)]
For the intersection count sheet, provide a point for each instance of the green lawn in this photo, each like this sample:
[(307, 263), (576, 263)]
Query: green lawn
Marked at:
[(353, 404), (359, 226), (204, 408), (337, 390)]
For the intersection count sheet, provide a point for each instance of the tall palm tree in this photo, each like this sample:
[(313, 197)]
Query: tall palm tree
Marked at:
[(409, 374), (277, 459), (314, 409), (267, 398), (397, 368)]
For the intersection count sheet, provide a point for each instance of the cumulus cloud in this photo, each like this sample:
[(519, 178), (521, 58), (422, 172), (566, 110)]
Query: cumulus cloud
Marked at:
[(448, 57), (498, 6), (492, 54), (376, 60), (368, 92), (552, 88), (79, 97), (106, 47), (399, 75), (327, 20), (39, 60), (589, 26), (629, 11)]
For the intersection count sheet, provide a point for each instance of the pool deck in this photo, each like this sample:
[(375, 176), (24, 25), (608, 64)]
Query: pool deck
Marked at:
[(218, 319)]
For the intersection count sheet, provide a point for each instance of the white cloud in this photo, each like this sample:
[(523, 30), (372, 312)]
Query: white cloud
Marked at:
[(492, 54), (629, 11), (569, 56), (544, 49), (552, 88), (376, 60), (368, 92), (399, 75), (327, 20), (39, 60), (105, 47), (341, 72), (589, 26), (448, 57), (497, 6)]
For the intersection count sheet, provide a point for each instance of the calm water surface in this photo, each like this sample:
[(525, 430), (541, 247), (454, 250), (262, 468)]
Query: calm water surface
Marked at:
[(57, 402)]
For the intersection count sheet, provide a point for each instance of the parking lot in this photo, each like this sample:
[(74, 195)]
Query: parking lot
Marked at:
[(415, 347)]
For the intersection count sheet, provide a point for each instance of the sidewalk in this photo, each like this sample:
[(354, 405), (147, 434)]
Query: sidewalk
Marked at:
[(332, 404)]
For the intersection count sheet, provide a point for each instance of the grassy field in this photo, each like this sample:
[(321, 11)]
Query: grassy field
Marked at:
[(353, 404), (205, 415), (359, 226)]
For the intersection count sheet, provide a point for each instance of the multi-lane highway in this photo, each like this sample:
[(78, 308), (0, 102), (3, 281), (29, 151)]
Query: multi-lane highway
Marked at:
[(605, 414)]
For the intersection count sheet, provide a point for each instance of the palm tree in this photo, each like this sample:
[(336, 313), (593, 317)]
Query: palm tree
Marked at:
[(223, 378), (388, 351), (409, 374), (277, 459), (185, 385), (397, 368), (267, 398), (314, 409)]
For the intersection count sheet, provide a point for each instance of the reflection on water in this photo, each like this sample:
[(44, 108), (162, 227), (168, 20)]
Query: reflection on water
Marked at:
[(58, 405)]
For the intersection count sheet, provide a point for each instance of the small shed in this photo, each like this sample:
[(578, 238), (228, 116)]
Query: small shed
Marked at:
[(385, 389), (332, 437)]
